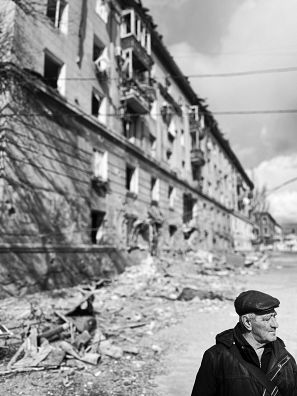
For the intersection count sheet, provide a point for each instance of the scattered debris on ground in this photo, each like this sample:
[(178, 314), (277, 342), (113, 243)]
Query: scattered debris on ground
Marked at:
[(98, 338)]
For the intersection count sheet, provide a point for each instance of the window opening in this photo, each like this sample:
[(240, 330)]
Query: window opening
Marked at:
[(98, 48), (153, 146), (155, 196), (130, 129), (102, 10), (97, 225), (170, 138), (126, 24), (182, 138), (188, 205), (99, 107), (132, 179), (54, 73), (100, 164), (57, 12), (172, 230), (171, 196), (168, 155), (96, 101)]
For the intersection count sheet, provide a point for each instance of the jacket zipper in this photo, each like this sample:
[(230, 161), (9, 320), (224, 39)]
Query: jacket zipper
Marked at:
[(280, 365)]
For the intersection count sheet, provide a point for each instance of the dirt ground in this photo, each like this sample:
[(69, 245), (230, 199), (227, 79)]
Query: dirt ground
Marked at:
[(133, 312), (197, 331)]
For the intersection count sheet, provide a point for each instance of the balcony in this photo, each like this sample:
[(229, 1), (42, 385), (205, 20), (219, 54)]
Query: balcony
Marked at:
[(197, 157), (143, 59), (136, 97), (194, 124)]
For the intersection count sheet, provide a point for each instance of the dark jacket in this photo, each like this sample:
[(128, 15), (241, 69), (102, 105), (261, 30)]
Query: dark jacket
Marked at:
[(222, 374)]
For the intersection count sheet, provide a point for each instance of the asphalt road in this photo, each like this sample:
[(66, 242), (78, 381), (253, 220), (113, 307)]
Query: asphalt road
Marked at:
[(196, 333)]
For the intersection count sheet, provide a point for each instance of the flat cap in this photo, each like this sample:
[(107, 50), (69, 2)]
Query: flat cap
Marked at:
[(253, 301)]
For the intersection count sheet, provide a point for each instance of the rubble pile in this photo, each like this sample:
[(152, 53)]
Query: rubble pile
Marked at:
[(103, 333)]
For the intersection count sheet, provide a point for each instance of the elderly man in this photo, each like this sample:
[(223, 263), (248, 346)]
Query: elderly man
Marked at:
[(249, 360)]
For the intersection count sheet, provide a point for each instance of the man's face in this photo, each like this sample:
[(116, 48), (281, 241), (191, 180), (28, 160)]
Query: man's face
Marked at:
[(264, 327)]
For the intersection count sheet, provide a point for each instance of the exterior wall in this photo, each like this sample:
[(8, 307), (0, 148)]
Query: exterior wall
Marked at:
[(29, 268), (180, 159), (7, 17), (242, 232), (51, 191), (268, 229), (35, 35)]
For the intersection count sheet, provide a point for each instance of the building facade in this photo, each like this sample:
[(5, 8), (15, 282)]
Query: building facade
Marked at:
[(268, 231), (103, 139)]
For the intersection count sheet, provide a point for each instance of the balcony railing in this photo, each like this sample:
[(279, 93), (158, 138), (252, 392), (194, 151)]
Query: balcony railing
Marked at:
[(130, 42), (197, 157), (194, 124), (138, 97)]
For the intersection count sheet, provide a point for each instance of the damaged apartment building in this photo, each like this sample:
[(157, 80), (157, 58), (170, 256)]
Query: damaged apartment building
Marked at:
[(103, 139)]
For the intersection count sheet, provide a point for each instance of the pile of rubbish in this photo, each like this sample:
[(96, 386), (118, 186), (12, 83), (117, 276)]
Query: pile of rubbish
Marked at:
[(81, 326)]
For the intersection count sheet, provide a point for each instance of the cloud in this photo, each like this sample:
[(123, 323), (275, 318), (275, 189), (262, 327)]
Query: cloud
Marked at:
[(165, 3), (284, 208), (259, 36), (211, 37), (282, 197)]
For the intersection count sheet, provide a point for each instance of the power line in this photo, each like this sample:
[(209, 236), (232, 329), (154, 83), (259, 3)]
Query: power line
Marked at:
[(231, 112), (231, 74), (246, 73), (255, 112), (272, 190), (175, 76)]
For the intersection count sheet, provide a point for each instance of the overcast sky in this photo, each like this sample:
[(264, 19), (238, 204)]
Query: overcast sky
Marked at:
[(215, 36)]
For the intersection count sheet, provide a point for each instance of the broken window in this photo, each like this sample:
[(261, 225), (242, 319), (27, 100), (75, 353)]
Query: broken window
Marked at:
[(57, 12), (188, 205), (97, 225), (132, 179), (171, 197), (54, 72), (130, 129), (100, 164), (171, 138), (153, 146), (101, 59), (132, 24), (182, 138), (126, 27), (99, 107), (155, 189), (102, 9), (98, 48), (172, 230), (168, 155)]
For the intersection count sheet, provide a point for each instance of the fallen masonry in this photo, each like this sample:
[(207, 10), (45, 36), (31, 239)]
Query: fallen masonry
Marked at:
[(105, 330)]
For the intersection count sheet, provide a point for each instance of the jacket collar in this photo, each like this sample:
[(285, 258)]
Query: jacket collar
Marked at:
[(231, 336)]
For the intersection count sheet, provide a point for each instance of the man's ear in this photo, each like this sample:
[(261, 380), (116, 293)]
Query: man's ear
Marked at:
[(246, 321)]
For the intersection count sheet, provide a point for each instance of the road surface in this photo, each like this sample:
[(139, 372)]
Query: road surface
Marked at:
[(196, 333)]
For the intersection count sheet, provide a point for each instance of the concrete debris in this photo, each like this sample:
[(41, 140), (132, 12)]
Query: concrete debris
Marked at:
[(4, 332), (82, 327), (189, 294)]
